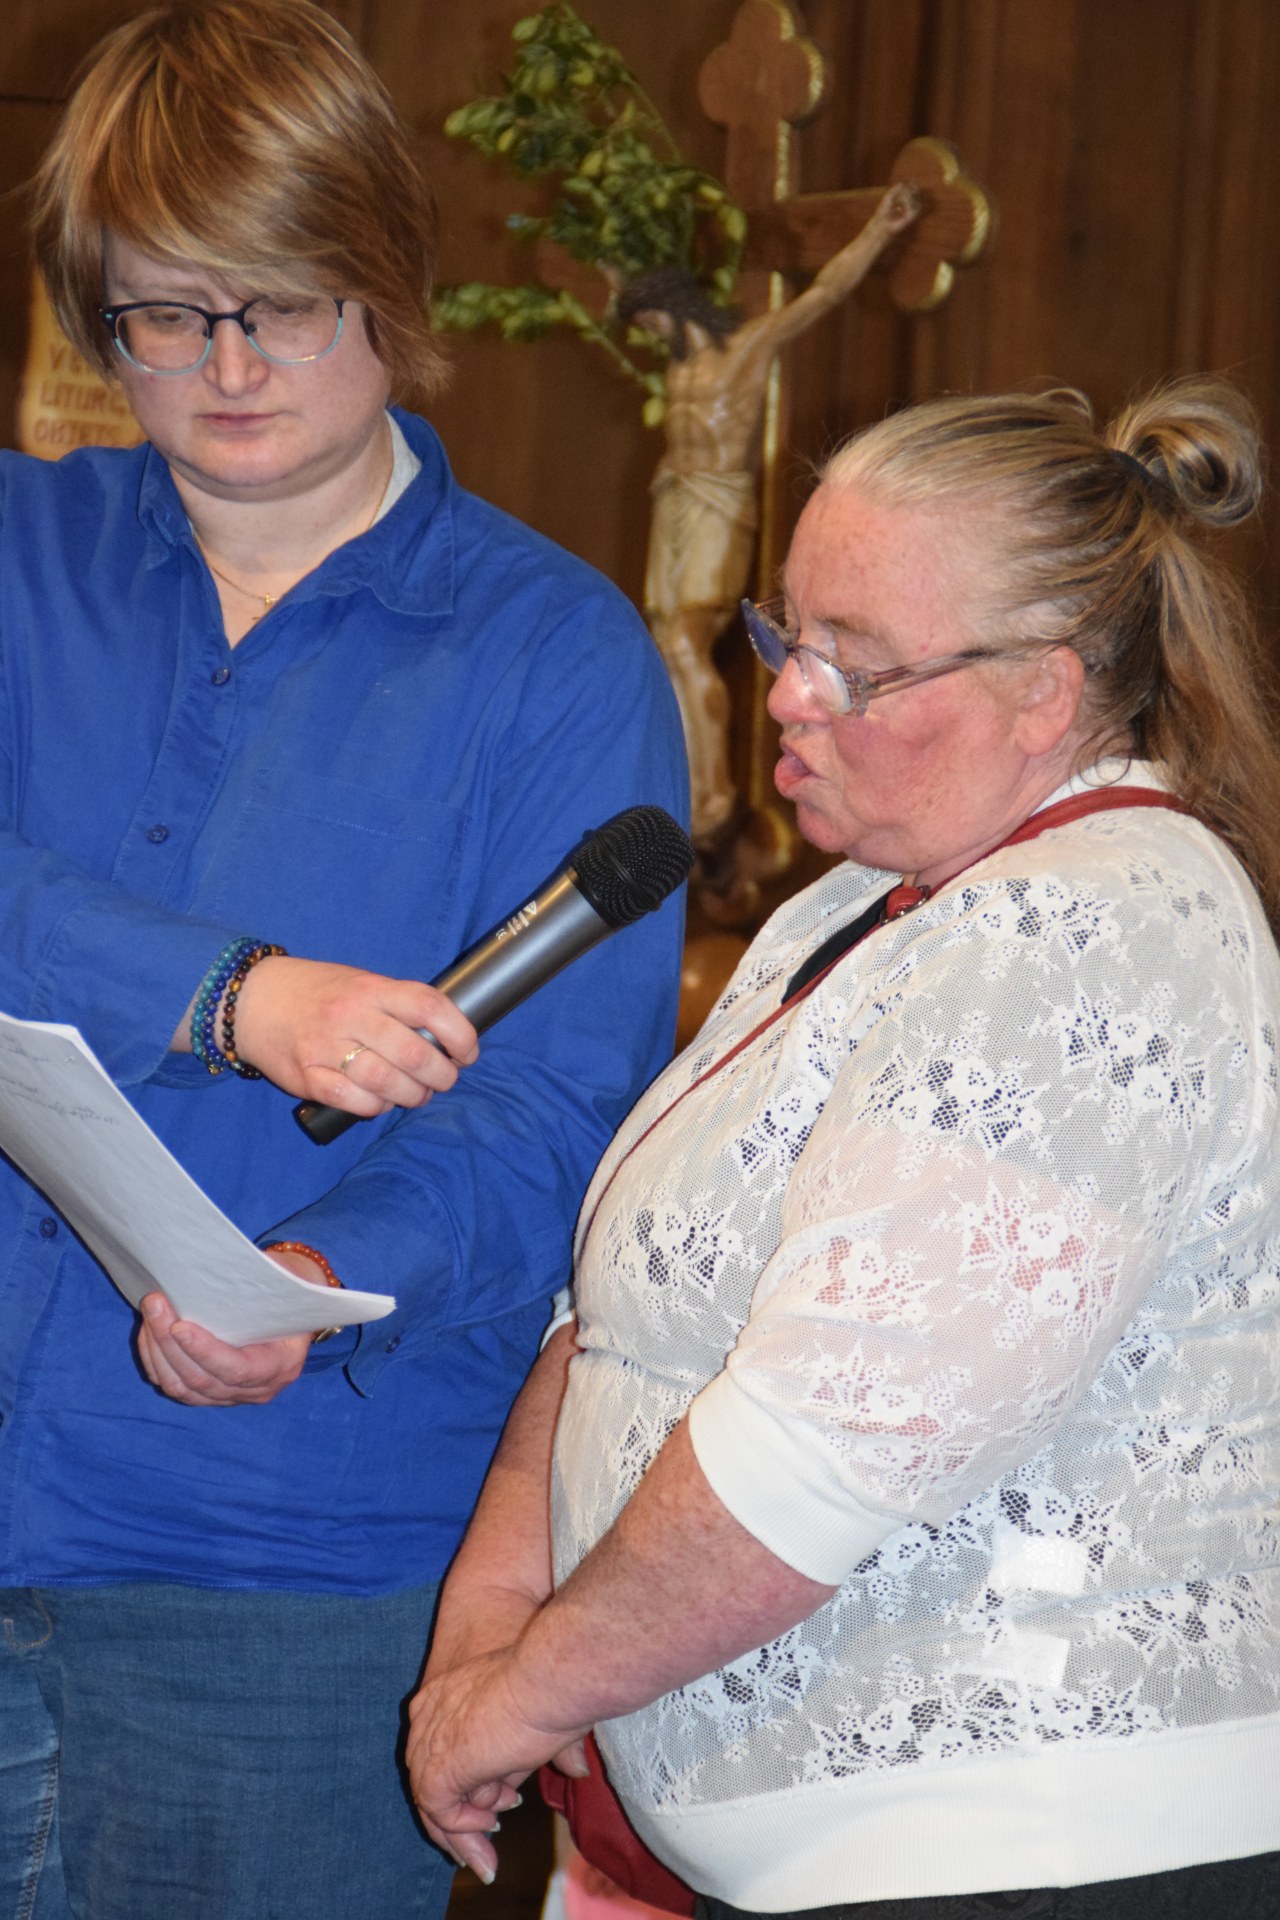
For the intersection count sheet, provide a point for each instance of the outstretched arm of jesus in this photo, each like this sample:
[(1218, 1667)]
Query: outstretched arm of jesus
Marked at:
[(766, 335)]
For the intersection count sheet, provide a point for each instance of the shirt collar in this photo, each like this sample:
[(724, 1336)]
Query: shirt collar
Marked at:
[(407, 559), (1116, 770)]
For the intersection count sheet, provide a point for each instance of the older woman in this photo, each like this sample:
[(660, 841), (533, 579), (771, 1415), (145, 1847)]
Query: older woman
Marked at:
[(914, 1492), (274, 681)]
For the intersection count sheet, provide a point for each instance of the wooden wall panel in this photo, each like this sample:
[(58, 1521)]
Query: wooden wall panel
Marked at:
[(549, 424), (1130, 156), (44, 39), (1129, 151), (25, 128)]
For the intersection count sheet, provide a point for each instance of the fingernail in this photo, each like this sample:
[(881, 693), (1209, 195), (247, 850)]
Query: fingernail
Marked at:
[(486, 1875), (517, 1802), (151, 1308)]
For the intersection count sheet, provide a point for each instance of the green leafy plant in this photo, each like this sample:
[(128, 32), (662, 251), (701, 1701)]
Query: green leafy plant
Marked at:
[(572, 111)]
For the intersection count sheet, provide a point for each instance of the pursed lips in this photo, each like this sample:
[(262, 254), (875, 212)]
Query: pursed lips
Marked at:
[(236, 422)]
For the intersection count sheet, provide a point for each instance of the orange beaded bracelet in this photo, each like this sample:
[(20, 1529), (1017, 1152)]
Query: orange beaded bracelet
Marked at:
[(330, 1277)]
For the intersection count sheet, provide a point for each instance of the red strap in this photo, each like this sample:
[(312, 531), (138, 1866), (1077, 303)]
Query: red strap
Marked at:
[(606, 1838), (1097, 800)]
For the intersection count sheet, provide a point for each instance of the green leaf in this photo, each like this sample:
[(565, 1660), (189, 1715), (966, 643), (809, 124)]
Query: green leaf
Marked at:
[(619, 195)]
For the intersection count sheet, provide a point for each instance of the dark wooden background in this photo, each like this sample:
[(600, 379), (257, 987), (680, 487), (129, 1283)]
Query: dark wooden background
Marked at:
[(1127, 145)]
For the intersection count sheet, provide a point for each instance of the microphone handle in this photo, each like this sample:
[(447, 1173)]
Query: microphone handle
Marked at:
[(526, 951), (494, 976)]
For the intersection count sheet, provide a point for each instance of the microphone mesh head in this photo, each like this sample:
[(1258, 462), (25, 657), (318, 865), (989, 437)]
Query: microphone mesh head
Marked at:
[(629, 865)]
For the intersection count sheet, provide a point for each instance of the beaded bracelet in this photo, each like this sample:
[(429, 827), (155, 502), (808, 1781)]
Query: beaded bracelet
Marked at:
[(230, 994), (308, 1253), (205, 1007), (330, 1277)]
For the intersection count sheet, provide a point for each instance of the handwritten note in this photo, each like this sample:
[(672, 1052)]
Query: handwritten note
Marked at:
[(75, 1135)]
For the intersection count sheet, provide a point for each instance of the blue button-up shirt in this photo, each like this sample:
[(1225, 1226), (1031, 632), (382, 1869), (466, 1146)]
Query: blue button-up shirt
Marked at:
[(396, 757)]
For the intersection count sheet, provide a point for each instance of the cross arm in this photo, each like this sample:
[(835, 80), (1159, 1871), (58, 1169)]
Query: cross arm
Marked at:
[(800, 235)]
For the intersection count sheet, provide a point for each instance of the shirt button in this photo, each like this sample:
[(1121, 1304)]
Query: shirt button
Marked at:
[(393, 1344), (158, 834), (221, 676), (48, 1228)]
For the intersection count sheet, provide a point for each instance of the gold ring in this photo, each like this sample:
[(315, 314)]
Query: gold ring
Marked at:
[(347, 1058)]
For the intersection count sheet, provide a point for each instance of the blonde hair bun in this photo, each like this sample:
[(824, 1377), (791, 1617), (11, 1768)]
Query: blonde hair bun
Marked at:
[(1198, 438)]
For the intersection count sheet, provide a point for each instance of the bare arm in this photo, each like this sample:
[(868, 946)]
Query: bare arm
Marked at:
[(767, 335), (502, 1573), (675, 1589)]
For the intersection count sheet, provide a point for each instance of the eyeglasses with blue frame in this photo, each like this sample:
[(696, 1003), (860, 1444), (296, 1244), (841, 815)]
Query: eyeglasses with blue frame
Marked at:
[(168, 337)]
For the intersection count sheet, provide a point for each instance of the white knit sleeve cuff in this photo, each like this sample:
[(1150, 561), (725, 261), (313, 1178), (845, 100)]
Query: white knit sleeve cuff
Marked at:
[(562, 1312), (777, 1482)]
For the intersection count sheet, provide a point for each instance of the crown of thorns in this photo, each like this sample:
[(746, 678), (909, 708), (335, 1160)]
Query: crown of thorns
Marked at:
[(674, 291)]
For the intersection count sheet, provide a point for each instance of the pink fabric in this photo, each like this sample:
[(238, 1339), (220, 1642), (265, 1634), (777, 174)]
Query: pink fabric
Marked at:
[(592, 1895)]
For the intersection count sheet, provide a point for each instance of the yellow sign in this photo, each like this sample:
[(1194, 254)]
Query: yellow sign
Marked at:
[(63, 402)]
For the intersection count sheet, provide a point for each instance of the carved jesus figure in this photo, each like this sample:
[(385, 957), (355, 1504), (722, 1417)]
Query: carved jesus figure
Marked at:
[(703, 523)]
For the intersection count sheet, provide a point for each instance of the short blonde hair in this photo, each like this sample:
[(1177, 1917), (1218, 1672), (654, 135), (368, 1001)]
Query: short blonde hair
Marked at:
[(250, 138), (1094, 536)]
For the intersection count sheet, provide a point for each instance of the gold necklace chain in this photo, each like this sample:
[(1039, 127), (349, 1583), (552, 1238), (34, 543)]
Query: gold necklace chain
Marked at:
[(269, 599)]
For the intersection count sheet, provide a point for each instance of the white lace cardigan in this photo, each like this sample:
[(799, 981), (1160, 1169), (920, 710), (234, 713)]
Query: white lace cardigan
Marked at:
[(967, 1273)]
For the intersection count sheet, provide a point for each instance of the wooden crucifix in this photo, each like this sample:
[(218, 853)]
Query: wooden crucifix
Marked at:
[(723, 396)]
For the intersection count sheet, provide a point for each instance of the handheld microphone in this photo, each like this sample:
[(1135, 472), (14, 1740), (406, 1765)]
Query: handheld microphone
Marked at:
[(624, 869)]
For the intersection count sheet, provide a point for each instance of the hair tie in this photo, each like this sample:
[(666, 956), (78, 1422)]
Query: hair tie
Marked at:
[(1158, 490)]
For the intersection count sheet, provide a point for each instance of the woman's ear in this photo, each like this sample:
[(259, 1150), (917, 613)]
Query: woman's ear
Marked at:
[(1050, 703)]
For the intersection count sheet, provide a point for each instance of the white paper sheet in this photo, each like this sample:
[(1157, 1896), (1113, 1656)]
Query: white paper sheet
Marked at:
[(75, 1135)]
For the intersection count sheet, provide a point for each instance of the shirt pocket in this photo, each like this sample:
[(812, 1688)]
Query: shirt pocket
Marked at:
[(336, 870)]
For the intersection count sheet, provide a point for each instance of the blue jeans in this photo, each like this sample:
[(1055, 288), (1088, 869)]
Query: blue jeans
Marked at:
[(177, 1753)]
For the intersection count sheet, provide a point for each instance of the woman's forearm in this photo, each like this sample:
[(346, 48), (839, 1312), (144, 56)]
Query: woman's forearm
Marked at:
[(676, 1588), (502, 1572)]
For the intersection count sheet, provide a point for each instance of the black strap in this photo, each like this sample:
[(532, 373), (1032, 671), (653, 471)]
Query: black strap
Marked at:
[(1075, 807), (837, 943)]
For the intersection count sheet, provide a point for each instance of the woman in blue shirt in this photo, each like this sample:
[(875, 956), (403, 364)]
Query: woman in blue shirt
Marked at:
[(274, 680)]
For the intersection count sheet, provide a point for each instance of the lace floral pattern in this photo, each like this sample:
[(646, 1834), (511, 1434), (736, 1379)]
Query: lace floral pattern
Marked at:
[(990, 1222)]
